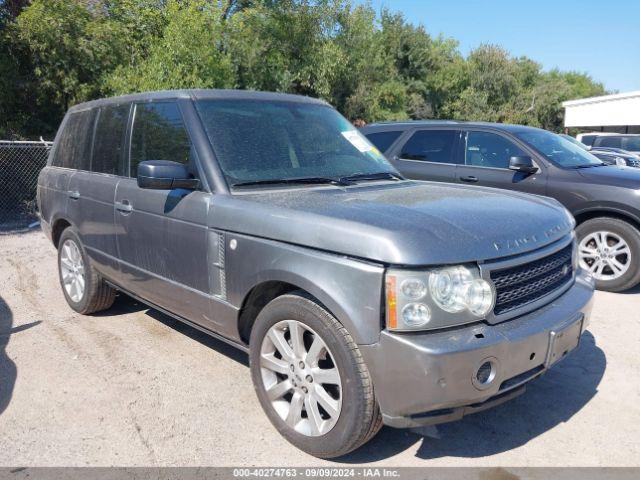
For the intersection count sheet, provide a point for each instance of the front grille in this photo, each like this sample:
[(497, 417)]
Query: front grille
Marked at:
[(524, 284)]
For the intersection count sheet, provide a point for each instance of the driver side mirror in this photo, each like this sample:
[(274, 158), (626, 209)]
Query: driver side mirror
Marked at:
[(522, 163), (165, 175)]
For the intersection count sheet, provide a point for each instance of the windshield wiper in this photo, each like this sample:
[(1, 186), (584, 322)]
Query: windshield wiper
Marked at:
[(591, 165), (295, 181), (372, 176)]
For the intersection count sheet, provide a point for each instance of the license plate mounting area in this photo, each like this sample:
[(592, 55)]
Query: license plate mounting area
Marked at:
[(563, 340)]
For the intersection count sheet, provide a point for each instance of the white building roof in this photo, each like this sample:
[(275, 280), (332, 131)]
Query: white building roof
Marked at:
[(620, 109)]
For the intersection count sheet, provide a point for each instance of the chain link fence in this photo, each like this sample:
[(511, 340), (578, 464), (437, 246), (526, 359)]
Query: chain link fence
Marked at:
[(20, 164)]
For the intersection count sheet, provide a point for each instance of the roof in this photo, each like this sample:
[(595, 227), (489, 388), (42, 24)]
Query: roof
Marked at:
[(446, 123), (198, 94), (602, 98), (620, 109)]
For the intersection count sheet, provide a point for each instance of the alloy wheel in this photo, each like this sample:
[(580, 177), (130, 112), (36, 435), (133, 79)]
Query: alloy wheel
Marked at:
[(605, 255), (72, 270), (301, 378)]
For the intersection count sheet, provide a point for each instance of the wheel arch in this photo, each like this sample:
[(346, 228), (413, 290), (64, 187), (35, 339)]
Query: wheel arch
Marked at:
[(265, 291), (608, 211), (58, 226)]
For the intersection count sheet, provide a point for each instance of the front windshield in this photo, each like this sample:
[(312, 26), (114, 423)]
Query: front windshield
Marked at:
[(257, 141), (557, 149), (574, 141)]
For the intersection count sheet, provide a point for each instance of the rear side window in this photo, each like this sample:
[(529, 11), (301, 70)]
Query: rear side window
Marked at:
[(383, 140), (609, 142), (430, 146), (588, 139), (158, 134), (74, 147), (108, 143), (486, 149)]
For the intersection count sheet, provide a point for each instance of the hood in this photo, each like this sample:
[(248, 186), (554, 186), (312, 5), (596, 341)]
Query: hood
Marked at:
[(614, 175), (407, 223)]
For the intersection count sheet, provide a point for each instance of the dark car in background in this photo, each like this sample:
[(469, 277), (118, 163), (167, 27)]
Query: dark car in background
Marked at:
[(605, 200), (615, 156), (628, 142), (610, 156)]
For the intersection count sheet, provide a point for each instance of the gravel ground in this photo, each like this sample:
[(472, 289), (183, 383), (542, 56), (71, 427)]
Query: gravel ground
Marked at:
[(134, 387)]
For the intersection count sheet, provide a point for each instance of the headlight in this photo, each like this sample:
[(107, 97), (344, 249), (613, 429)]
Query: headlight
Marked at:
[(437, 298)]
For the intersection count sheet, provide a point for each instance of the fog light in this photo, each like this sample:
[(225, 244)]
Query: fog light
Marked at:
[(485, 374)]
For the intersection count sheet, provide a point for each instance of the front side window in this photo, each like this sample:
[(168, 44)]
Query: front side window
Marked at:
[(158, 133), (430, 146), (383, 140), (264, 141), (484, 149), (588, 139), (108, 143), (557, 149), (74, 147)]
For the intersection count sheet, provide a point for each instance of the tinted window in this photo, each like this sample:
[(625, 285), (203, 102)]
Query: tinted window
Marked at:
[(631, 143), (609, 142), (158, 134), (383, 140), (108, 143), (258, 140), (588, 139), (74, 147), (430, 146), (485, 149)]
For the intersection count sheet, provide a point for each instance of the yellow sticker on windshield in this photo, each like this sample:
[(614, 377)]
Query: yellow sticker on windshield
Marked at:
[(356, 139)]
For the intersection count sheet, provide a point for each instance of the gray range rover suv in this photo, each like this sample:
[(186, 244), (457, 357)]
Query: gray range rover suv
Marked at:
[(271, 223)]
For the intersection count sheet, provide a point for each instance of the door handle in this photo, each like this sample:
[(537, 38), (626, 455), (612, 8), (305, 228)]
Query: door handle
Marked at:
[(469, 179), (73, 194), (124, 206)]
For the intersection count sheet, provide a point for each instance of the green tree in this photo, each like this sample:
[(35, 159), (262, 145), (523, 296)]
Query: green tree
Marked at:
[(187, 53), (71, 46), (54, 53)]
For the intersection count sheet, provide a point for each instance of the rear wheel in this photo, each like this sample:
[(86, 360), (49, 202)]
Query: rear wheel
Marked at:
[(609, 249), (310, 378), (84, 289)]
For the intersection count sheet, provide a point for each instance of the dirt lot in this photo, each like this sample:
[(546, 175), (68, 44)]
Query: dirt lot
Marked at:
[(134, 387)]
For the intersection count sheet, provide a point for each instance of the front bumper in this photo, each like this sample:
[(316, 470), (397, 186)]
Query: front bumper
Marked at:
[(428, 378), (46, 228)]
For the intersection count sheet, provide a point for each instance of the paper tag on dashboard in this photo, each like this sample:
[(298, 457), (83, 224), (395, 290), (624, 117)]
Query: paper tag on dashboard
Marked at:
[(357, 140)]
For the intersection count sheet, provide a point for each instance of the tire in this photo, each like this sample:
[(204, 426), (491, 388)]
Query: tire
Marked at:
[(359, 416), (602, 240), (95, 295)]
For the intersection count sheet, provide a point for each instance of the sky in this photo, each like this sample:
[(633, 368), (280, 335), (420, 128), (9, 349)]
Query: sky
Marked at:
[(594, 37)]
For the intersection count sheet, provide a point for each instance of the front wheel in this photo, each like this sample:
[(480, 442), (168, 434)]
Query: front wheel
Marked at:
[(310, 378), (609, 249)]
